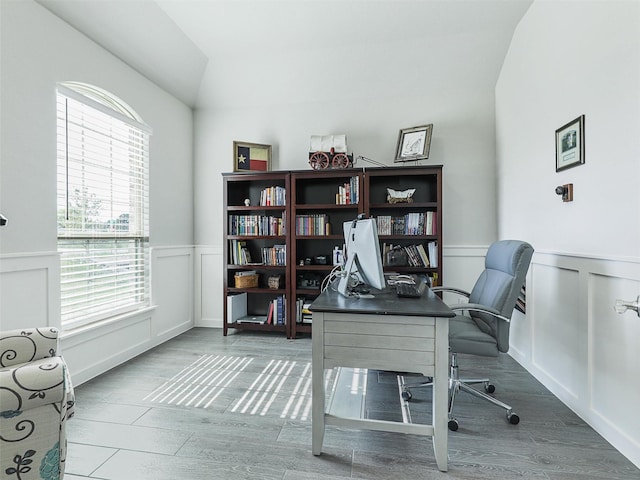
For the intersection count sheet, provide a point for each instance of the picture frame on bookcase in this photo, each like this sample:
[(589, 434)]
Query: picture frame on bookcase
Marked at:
[(414, 143), (251, 157), (570, 144)]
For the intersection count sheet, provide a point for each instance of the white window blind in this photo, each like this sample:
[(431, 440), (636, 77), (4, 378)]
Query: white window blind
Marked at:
[(103, 196)]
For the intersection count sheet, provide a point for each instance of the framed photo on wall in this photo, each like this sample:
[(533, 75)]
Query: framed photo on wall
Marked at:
[(570, 144), (414, 143), (251, 157)]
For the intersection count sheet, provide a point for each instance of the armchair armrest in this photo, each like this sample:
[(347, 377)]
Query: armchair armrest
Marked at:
[(26, 345), (31, 385), (476, 307), (457, 291)]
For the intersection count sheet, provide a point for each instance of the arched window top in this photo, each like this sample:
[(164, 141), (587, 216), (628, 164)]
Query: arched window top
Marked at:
[(101, 100)]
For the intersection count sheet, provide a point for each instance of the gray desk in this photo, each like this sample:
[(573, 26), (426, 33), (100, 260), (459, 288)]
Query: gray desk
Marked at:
[(383, 333)]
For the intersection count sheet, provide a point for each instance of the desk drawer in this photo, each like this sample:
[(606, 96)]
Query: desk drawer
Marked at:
[(380, 342)]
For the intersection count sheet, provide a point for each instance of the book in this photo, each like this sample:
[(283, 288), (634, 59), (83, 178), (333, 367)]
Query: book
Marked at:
[(259, 319), (236, 307), (243, 273), (423, 255), (433, 254), (270, 314), (280, 312)]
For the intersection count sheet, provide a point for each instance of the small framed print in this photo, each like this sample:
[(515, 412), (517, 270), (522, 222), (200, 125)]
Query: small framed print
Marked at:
[(570, 144), (251, 157), (414, 143)]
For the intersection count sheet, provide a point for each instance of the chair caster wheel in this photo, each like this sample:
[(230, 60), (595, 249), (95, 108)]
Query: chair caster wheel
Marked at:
[(489, 387), (453, 425), (406, 395), (513, 418)]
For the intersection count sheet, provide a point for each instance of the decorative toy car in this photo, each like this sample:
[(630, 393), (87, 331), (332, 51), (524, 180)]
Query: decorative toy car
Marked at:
[(329, 151)]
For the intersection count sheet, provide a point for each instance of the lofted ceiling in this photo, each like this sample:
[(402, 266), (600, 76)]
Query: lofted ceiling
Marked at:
[(185, 45)]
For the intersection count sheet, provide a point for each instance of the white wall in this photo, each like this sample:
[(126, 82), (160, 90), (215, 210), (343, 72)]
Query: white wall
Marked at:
[(370, 106), (37, 51), (568, 59)]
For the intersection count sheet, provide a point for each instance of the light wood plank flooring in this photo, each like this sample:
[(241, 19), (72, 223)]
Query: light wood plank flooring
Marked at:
[(205, 406)]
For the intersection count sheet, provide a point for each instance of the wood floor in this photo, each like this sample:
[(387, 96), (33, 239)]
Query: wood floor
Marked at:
[(205, 406)]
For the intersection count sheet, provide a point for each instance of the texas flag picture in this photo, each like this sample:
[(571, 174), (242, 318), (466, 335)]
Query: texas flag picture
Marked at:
[(252, 157)]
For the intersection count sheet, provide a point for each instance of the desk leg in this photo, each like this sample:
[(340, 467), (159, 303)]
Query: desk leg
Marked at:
[(440, 394), (317, 383)]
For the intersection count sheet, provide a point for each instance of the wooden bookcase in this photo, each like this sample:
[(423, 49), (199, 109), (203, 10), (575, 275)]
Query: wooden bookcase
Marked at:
[(241, 231), (317, 204), (321, 198), (426, 201)]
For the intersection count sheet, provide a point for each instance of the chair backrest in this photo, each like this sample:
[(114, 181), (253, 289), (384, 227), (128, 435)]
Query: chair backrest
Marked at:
[(500, 283)]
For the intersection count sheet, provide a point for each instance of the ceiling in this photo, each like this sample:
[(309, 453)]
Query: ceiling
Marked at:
[(183, 45)]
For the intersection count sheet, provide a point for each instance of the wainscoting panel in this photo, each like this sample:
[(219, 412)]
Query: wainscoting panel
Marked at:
[(209, 274), (614, 362), (172, 291), (558, 347), (30, 296), (576, 345), (98, 348), (29, 290)]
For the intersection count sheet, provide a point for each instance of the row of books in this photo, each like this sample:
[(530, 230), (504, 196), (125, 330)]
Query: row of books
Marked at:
[(273, 196), (414, 223), (276, 255), (237, 311), (277, 314), (239, 254), (257, 225), (417, 255), (349, 193), (303, 314), (314, 224)]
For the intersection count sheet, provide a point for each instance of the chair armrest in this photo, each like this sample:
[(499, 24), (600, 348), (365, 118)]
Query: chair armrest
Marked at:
[(69, 401), (457, 291), (31, 385), (476, 307), (27, 344)]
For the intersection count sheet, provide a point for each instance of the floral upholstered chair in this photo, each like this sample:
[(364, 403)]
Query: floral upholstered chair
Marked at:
[(36, 399)]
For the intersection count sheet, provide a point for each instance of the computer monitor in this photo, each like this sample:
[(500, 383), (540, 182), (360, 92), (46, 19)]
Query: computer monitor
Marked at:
[(363, 262)]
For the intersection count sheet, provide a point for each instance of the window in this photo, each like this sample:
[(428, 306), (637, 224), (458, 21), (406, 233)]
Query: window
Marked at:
[(103, 205)]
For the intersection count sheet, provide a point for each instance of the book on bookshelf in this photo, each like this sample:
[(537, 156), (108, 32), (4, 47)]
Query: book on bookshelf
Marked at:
[(414, 223), (259, 319), (257, 225), (273, 196), (236, 307), (433, 254), (270, 314), (245, 273)]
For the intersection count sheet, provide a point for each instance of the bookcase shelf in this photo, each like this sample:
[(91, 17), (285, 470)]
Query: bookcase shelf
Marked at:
[(315, 199)]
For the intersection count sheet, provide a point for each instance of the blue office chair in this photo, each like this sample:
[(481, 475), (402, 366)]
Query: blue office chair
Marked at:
[(481, 326)]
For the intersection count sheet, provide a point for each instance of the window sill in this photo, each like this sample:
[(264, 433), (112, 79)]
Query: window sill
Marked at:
[(117, 321)]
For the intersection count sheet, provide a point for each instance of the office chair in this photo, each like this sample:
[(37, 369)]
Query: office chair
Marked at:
[(481, 326)]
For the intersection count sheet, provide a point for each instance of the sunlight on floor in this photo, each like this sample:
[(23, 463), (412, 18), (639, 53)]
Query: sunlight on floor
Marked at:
[(282, 386)]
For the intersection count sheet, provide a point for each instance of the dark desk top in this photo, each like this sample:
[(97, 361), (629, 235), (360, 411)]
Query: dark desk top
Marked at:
[(385, 302)]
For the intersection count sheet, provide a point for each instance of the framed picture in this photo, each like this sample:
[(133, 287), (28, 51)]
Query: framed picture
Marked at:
[(570, 144), (414, 143), (251, 157)]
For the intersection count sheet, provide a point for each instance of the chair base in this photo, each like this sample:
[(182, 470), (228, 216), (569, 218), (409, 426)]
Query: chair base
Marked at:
[(457, 384)]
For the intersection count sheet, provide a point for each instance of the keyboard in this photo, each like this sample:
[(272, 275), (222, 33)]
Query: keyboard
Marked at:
[(408, 290)]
